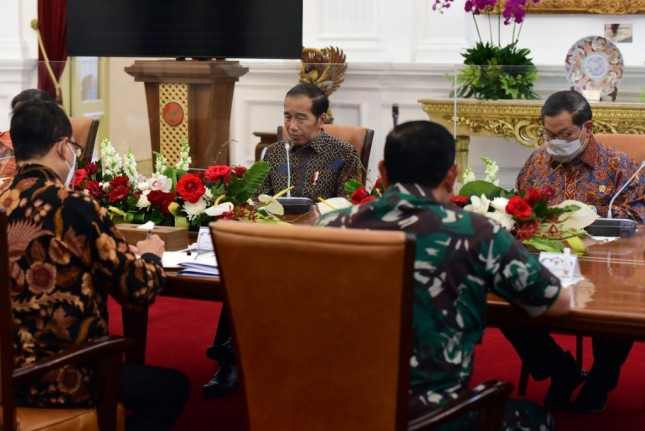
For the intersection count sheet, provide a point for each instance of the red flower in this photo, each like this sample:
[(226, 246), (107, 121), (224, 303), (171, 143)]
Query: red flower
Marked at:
[(216, 173), (359, 194), (190, 187), (95, 189), (462, 201), (118, 194), (547, 192), (526, 231), (155, 197), (79, 176), (239, 171), (91, 168), (519, 208), (532, 196), (168, 198), (379, 184), (119, 181)]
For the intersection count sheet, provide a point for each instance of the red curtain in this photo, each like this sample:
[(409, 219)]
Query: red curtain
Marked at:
[(52, 21)]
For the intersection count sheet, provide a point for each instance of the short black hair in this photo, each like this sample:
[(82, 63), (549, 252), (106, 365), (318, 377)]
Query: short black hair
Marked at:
[(31, 94), (36, 126), (319, 101), (567, 101), (419, 152)]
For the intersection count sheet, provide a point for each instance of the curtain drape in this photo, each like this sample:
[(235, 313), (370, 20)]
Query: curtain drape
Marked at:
[(52, 21)]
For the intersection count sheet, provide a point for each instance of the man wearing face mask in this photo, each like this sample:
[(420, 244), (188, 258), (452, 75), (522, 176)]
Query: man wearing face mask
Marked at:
[(577, 167), (67, 257)]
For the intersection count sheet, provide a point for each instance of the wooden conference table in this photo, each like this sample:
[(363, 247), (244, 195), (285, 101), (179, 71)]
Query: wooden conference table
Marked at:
[(611, 300)]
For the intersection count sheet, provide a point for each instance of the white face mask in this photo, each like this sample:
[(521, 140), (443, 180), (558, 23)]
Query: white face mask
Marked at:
[(564, 151), (72, 168)]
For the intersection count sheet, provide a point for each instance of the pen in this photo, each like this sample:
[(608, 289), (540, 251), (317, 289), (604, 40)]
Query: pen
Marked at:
[(149, 234)]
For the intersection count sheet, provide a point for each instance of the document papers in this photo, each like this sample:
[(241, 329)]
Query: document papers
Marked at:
[(198, 263)]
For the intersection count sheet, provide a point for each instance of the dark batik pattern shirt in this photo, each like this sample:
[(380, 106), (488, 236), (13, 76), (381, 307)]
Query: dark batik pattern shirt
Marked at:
[(330, 159), (592, 178), (459, 257), (66, 255)]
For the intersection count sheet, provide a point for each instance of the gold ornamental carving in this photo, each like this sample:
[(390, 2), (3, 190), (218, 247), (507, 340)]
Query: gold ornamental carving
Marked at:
[(324, 68), (519, 120), (601, 7)]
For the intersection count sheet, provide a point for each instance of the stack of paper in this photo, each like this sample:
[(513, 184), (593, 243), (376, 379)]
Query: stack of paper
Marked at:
[(201, 263)]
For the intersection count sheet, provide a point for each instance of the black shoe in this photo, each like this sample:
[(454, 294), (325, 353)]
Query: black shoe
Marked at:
[(558, 397), (223, 382), (591, 400), (222, 352)]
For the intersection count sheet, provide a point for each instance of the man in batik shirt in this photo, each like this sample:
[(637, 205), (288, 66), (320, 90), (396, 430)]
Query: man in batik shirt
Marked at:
[(66, 256), (318, 164), (459, 257), (578, 167)]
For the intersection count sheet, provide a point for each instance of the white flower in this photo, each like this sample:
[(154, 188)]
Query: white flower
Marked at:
[(160, 182), (184, 159), (143, 201), (130, 167), (468, 175), (499, 203), (218, 210), (160, 162), (194, 210), (577, 219), (491, 170), (478, 205), (503, 218)]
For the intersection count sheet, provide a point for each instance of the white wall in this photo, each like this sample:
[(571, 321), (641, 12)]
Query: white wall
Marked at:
[(398, 52)]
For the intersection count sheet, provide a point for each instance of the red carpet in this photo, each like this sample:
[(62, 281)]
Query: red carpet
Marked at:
[(181, 330)]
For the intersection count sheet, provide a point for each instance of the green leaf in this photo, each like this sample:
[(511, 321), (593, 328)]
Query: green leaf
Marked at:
[(544, 244), (351, 185), (241, 189), (480, 187)]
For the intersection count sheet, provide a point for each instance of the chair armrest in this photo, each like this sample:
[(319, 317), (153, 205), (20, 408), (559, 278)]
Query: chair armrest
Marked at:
[(487, 399), (101, 348)]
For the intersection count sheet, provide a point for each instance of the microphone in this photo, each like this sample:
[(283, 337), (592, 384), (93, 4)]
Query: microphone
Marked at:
[(286, 149), (610, 226), (395, 114), (611, 202)]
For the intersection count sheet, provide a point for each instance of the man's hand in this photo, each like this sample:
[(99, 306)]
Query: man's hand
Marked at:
[(154, 245)]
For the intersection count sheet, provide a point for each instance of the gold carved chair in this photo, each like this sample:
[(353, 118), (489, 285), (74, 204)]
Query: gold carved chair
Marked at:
[(324, 315), (107, 416), (84, 132), (360, 137)]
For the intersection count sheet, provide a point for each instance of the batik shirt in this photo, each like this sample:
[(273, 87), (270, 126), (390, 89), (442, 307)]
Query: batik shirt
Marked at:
[(7, 162), (459, 256), (318, 169), (66, 255), (593, 178)]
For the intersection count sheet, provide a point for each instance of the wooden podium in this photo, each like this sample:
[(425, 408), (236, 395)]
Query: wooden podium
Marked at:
[(189, 100)]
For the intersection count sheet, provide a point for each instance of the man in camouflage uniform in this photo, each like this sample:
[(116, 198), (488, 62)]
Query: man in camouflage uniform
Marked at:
[(459, 257)]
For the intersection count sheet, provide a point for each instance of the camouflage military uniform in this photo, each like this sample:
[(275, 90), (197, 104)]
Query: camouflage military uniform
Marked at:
[(459, 256)]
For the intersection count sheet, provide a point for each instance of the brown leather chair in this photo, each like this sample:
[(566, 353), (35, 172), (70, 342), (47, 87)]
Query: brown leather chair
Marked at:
[(632, 145), (84, 132), (360, 137), (322, 325), (106, 351)]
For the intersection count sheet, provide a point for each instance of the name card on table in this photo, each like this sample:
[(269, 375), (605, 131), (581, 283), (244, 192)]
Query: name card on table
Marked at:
[(204, 241), (565, 266)]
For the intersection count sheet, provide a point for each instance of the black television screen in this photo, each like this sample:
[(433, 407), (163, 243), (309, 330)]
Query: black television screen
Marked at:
[(185, 28)]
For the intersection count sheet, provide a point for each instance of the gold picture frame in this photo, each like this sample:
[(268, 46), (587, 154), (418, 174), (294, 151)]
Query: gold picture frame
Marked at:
[(601, 7)]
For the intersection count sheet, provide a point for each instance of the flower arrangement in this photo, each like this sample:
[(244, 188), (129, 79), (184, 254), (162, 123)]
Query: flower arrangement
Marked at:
[(172, 195), (358, 194), (528, 215), (492, 70)]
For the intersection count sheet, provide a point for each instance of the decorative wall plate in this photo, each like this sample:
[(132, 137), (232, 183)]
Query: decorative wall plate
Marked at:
[(594, 63)]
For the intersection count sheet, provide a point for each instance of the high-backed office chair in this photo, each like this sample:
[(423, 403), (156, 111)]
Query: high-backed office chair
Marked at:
[(634, 147), (360, 137), (107, 352), (325, 317), (84, 132)]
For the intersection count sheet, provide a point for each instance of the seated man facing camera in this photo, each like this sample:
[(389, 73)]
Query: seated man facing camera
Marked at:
[(460, 256), (317, 165), (68, 256)]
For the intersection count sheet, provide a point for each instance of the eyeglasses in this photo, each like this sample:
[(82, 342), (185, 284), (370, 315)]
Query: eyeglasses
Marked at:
[(548, 136), (78, 150)]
